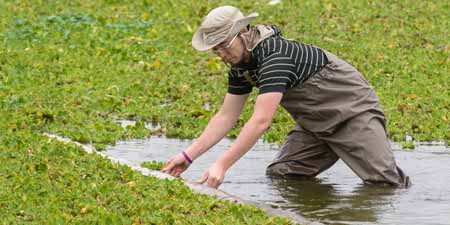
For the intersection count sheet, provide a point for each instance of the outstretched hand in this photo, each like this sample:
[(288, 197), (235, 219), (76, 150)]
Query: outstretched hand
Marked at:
[(213, 176), (176, 165)]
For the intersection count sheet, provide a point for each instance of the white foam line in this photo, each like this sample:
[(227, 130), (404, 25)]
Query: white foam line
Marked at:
[(201, 189), (86, 148)]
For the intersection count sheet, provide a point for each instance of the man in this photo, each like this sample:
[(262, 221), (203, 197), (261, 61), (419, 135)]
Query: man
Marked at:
[(338, 114)]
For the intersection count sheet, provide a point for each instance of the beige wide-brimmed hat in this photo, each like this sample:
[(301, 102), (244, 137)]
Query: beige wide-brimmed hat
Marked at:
[(221, 23)]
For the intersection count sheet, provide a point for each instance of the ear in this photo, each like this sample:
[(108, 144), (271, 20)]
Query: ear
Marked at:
[(245, 29)]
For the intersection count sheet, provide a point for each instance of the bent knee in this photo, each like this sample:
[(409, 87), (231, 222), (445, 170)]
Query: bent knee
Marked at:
[(285, 169)]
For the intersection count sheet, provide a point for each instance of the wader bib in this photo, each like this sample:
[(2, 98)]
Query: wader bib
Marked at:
[(338, 115)]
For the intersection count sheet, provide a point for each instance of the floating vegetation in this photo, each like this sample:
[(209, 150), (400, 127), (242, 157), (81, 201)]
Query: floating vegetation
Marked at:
[(153, 165), (72, 67)]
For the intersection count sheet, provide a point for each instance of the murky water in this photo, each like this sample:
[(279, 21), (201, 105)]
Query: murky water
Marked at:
[(336, 196)]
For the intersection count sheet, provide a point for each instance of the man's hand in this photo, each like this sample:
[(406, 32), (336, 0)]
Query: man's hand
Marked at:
[(176, 165), (213, 176), (217, 128)]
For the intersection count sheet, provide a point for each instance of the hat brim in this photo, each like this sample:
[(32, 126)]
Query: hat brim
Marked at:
[(198, 41)]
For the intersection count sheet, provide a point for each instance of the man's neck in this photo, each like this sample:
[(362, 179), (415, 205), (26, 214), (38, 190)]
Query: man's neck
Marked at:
[(247, 57), (246, 62)]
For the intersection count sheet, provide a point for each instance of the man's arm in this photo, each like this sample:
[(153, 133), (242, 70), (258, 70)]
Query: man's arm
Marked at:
[(219, 125), (265, 108)]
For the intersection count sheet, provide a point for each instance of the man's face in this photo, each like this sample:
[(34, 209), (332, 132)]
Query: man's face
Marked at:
[(231, 51)]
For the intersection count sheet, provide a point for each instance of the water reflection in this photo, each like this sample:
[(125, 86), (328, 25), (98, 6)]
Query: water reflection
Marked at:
[(324, 201)]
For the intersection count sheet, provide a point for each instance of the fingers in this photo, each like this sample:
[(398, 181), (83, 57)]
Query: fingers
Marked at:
[(178, 171), (172, 168), (175, 166), (168, 167), (214, 183), (210, 181), (203, 179), (167, 164)]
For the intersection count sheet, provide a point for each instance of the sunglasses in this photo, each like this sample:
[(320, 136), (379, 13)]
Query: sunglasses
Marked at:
[(224, 45)]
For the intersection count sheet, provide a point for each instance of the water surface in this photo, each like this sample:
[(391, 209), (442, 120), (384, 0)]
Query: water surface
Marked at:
[(337, 196)]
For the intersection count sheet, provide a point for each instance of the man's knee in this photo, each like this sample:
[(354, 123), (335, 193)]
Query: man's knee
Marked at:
[(289, 169), (278, 169)]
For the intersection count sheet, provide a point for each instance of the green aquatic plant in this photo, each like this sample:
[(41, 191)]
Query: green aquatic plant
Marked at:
[(153, 165), (73, 67), (46, 181), (408, 145)]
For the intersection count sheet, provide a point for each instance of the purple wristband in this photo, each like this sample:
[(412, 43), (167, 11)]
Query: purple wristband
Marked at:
[(187, 157)]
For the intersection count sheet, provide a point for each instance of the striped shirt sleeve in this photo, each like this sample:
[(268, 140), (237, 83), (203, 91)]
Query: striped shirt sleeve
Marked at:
[(277, 73), (238, 85)]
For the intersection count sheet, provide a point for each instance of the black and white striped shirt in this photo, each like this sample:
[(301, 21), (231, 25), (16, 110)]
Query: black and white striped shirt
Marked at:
[(277, 65)]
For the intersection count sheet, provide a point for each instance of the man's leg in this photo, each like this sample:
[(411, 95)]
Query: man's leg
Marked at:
[(362, 144), (302, 155), (341, 109)]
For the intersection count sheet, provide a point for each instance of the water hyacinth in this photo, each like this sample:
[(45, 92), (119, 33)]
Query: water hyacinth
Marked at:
[(73, 67)]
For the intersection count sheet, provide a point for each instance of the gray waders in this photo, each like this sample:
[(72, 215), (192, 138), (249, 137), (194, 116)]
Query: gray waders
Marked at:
[(338, 116)]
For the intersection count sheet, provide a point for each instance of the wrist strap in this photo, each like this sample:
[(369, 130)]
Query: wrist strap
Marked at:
[(187, 157)]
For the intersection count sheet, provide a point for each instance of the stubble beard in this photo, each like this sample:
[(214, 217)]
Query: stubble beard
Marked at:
[(245, 59)]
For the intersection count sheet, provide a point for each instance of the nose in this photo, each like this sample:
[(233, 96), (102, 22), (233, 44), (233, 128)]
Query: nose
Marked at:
[(222, 54)]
